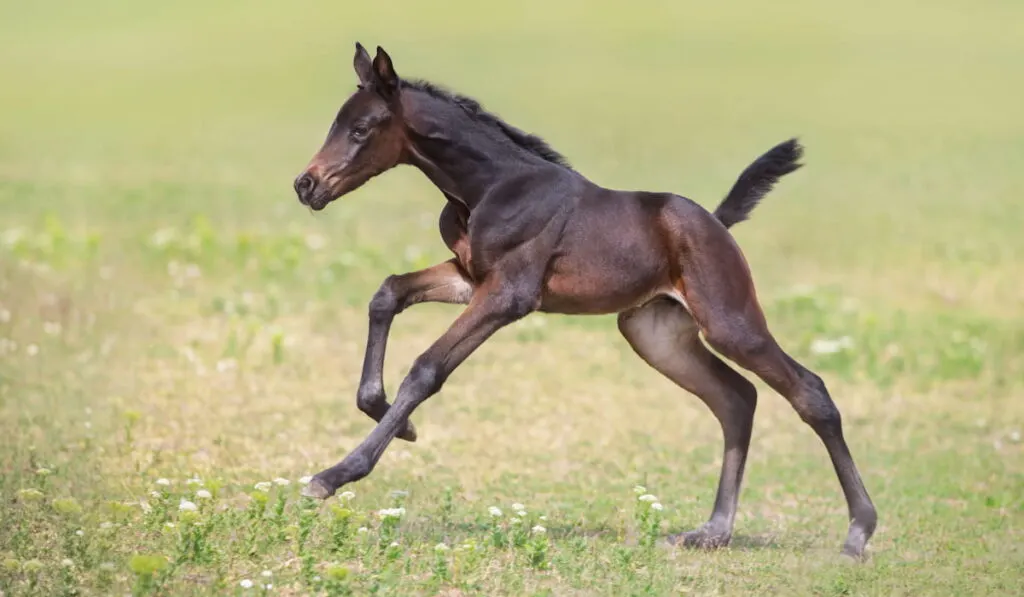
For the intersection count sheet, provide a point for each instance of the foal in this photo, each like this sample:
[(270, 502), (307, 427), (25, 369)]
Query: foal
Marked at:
[(529, 233)]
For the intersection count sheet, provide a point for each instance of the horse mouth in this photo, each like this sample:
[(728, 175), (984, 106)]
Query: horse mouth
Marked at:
[(331, 189)]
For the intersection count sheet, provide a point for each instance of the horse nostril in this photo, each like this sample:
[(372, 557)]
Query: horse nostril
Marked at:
[(304, 184)]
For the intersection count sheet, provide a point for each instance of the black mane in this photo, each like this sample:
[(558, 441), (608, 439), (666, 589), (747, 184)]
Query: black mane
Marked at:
[(531, 143)]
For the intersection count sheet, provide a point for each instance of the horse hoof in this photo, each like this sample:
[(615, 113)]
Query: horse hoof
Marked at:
[(409, 433), (317, 489), (703, 538)]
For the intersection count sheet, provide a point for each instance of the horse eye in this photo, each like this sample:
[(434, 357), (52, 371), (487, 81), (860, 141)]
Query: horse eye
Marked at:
[(360, 131)]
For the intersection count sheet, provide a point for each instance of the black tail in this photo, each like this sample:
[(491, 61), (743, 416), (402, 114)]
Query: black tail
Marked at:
[(755, 182)]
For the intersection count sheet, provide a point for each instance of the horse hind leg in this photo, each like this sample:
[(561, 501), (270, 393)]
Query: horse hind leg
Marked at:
[(733, 324), (665, 336)]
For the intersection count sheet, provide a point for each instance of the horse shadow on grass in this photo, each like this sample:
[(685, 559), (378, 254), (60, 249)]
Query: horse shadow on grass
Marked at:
[(434, 531)]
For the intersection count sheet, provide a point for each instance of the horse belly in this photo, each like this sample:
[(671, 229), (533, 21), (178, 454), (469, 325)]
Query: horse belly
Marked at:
[(599, 282)]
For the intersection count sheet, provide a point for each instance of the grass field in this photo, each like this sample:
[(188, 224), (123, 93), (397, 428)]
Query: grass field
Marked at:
[(175, 326)]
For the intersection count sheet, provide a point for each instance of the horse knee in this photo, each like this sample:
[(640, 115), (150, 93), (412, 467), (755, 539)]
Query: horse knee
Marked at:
[(369, 398), (385, 302)]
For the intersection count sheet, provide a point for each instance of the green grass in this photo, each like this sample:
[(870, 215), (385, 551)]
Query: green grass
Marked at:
[(169, 311)]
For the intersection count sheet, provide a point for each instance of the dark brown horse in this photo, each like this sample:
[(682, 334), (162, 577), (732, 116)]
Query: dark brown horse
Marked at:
[(531, 234)]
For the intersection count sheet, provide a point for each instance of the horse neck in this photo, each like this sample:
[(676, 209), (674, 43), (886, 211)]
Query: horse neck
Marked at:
[(461, 156)]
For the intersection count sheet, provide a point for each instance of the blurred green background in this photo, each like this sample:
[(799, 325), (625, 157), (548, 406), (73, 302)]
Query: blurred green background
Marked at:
[(909, 111)]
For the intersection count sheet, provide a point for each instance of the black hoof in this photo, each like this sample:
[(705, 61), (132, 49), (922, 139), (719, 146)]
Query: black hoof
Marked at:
[(409, 433), (317, 489), (703, 538)]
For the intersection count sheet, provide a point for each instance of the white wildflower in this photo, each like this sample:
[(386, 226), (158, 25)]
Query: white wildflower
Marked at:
[(399, 493), (647, 498), (514, 520), (204, 494), (391, 513), (31, 350), (67, 563), (393, 544), (268, 586), (187, 506), (495, 511), (80, 533), (826, 346), (544, 518), (155, 495), (362, 530), (305, 480), (657, 506), (246, 583), (440, 548), (282, 482), (194, 481), (5, 315), (263, 486), (266, 574), (539, 530), (639, 489), (164, 482), (106, 525), (517, 506), (169, 525), (347, 495), (1015, 436)]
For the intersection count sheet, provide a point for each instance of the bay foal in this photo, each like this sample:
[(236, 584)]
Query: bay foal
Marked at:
[(529, 233)]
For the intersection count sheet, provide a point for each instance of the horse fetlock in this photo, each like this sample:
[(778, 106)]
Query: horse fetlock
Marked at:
[(371, 399)]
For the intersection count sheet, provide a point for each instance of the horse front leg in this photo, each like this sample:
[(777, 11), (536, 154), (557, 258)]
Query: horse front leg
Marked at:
[(443, 283), (492, 307)]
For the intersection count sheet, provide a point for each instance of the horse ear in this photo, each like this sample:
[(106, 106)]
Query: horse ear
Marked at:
[(385, 76), (363, 65)]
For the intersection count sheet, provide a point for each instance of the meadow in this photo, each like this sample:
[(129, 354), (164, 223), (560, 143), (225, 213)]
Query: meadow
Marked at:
[(181, 340)]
